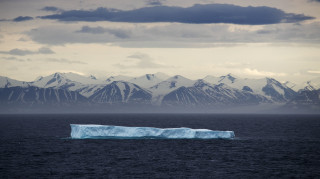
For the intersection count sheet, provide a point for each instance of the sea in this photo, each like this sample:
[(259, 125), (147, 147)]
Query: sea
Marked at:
[(265, 146)]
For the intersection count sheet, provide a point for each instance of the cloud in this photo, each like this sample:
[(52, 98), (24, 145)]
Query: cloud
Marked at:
[(314, 71), (51, 8), (123, 34), (197, 14), (20, 52), (45, 50), (22, 18), (14, 59), (60, 35), (255, 72), (144, 61), (154, 2), (176, 35), (62, 60), (22, 39)]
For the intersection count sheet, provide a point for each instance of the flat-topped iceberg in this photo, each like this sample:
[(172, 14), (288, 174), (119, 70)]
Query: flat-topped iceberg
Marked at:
[(87, 131)]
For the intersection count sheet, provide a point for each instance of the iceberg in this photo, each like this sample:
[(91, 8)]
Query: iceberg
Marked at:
[(93, 131)]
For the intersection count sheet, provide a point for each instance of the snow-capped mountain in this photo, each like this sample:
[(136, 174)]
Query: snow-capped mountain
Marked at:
[(306, 101), (6, 82), (155, 89), (86, 86), (310, 85), (149, 80), (121, 92), (277, 91), (64, 80), (313, 84), (229, 78), (165, 87), (202, 93), (36, 95), (267, 87), (307, 97)]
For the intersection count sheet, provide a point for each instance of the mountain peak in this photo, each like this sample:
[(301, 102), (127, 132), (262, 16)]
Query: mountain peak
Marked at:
[(57, 75), (271, 80), (178, 77), (92, 77), (200, 83), (290, 84), (39, 78), (161, 76), (209, 76), (230, 77), (118, 78), (149, 76)]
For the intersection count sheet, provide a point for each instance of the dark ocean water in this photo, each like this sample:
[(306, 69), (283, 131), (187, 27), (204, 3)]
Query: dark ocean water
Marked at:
[(266, 146)]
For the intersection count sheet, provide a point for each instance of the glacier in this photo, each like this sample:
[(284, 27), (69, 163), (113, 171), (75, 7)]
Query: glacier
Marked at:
[(93, 131)]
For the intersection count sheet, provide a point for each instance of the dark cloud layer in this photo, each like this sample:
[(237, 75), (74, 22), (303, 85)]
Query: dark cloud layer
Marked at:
[(22, 18), (19, 52), (13, 59), (123, 34), (154, 2), (175, 35), (51, 8), (197, 14)]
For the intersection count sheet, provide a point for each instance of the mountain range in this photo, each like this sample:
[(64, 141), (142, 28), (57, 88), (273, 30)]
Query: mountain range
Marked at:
[(156, 90)]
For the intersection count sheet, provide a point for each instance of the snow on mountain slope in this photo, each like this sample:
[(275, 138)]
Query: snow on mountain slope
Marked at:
[(306, 97), (162, 76), (148, 80), (254, 85), (121, 92), (87, 90), (267, 87), (165, 87), (277, 92), (292, 85), (86, 86), (187, 96), (313, 84), (65, 80), (230, 86), (228, 95), (212, 79), (6, 82), (204, 94), (118, 78)]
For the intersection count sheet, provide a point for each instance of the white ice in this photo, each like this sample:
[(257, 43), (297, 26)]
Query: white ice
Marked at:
[(87, 131)]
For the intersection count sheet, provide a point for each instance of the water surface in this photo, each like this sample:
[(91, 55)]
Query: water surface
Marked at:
[(281, 146)]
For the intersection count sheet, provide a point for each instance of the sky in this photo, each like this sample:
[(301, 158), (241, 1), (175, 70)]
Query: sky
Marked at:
[(192, 38)]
